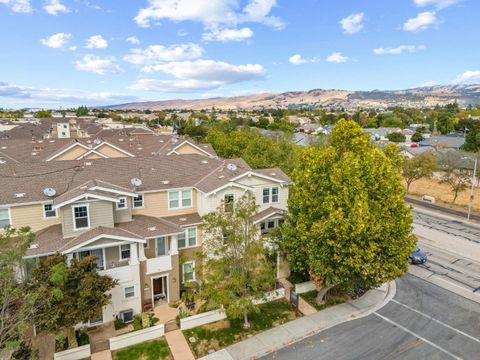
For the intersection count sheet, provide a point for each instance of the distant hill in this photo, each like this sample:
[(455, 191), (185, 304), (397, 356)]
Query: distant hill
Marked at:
[(427, 96)]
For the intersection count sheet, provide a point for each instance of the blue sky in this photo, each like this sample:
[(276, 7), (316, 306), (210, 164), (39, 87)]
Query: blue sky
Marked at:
[(70, 52)]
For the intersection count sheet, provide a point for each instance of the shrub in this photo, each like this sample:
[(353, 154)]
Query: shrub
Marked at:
[(396, 137), (119, 324), (137, 323), (83, 339), (61, 342)]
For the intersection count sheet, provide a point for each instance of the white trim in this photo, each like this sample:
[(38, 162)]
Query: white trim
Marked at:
[(187, 245), (120, 252), (193, 270), (9, 217), (143, 202), (113, 237), (180, 199), (68, 148), (85, 195), (270, 195), (88, 216), (252, 173), (119, 202), (277, 212), (193, 145), (134, 292), (103, 155), (91, 151), (114, 191), (229, 185), (53, 209), (168, 287)]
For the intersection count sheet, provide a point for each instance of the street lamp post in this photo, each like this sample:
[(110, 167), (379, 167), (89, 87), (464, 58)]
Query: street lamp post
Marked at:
[(470, 203)]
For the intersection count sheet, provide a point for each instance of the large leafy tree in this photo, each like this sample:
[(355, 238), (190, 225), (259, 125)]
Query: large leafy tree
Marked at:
[(15, 309), (418, 167), (235, 271), (65, 295), (455, 174), (348, 220)]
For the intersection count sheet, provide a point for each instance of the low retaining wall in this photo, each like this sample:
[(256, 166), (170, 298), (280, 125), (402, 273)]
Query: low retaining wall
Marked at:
[(136, 337), (77, 353), (271, 296), (202, 319), (304, 287)]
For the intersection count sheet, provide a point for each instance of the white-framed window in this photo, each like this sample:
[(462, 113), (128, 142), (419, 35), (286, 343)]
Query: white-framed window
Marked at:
[(125, 252), (129, 292), (138, 201), (122, 203), (270, 195), (161, 246), (228, 200), (188, 238), (126, 315), (180, 199), (4, 218), (49, 211), (146, 244), (188, 271), (80, 217)]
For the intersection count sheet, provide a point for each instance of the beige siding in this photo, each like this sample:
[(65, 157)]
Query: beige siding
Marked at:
[(173, 281), (189, 255), (112, 257), (156, 204), (189, 149), (100, 214), (92, 156), (110, 151), (123, 215), (31, 215), (72, 154)]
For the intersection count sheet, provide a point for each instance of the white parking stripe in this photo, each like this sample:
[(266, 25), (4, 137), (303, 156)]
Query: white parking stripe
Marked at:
[(437, 321), (418, 336)]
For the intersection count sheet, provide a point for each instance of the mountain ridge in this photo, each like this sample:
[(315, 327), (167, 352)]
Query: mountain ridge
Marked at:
[(425, 96)]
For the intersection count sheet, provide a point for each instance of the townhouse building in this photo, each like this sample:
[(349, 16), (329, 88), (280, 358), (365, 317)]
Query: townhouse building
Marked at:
[(140, 216)]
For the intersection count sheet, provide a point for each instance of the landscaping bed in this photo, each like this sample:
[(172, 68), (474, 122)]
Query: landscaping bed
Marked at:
[(148, 350), (223, 333), (333, 298)]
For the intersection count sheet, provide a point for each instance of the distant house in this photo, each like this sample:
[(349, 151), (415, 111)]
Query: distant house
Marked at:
[(380, 134), (444, 141)]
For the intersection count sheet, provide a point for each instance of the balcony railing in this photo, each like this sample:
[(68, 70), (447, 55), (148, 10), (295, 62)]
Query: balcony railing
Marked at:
[(159, 264), (122, 274)]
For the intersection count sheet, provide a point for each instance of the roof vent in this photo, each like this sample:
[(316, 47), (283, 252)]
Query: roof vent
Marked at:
[(174, 140), (182, 219), (152, 228), (273, 173), (204, 162), (88, 163), (120, 139), (33, 246), (51, 141), (165, 182), (232, 167), (2, 162), (4, 147), (20, 195), (136, 182), (34, 153), (97, 141), (49, 192)]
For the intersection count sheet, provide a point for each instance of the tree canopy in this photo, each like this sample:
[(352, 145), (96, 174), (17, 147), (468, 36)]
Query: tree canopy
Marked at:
[(348, 220), (420, 166)]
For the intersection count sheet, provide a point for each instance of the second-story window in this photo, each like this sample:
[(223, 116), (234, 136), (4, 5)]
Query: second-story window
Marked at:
[(138, 201), (270, 195), (192, 236), (80, 217), (228, 200), (187, 238), (122, 203), (161, 246), (4, 218), (179, 199), (49, 211), (125, 252)]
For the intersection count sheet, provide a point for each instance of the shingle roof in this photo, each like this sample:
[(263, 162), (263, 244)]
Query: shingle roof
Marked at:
[(267, 213), (185, 220), (149, 226)]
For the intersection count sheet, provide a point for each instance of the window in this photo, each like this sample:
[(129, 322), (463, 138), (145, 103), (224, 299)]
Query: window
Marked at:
[(271, 224), (4, 218), (124, 251), (129, 292), (80, 215), (228, 200), (270, 195), (146, 244), (181, 240), (161, 246), (126, 315), (138, 201), (98, 253), (29, 266), (187, 238), (192, 236), (188, 271), (179, 199), (49, 211), (122, 203)]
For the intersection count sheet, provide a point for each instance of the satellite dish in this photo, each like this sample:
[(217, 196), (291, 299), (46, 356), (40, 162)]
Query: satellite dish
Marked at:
[(232, 167), (136, 182), (49, 192), (97, 141)]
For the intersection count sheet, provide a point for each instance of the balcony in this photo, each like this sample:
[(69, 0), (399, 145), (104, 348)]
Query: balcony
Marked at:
[(159, 264), (122, 274)]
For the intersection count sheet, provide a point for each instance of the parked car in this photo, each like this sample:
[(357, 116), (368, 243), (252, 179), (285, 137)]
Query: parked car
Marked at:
[(418, 256)]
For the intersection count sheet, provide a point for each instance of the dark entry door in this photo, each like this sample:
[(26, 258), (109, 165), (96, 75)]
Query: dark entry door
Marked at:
[(157, 286)]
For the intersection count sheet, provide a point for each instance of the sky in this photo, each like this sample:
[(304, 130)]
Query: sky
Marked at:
[(65, 53)]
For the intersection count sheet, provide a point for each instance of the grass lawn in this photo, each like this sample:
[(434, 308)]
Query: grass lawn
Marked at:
[(226, 332), (148, 350), (331, 299)]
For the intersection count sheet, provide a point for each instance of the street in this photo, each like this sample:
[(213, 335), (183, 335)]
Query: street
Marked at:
[(423, 321)]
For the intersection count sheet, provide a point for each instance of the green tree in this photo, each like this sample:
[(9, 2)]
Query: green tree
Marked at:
[(417, 136), (348, 223), (15, 308), (43, 114), (235, 271), (82, 111), (454, 174), (65, 295), (396, 137), (418, 167), (445, 123)]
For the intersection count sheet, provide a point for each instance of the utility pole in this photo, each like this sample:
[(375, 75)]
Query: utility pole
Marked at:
[(470, 203)]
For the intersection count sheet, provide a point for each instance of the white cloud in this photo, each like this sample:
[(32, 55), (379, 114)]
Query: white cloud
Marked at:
[(225, 35), (209, 12), (18, 6), (96, 42), (98, 65), (439, 4), (421, 22), (353, 23), (398, 50), (297, 59), (54, 7), (52, 95), (468, 77), (337, 57), (199, 75), (57, 40), (132, 40), (155, 54)]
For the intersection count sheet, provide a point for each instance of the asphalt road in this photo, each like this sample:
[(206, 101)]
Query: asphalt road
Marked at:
[(423, 321)]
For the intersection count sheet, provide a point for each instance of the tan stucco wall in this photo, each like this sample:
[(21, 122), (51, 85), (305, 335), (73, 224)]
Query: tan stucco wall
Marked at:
[(189, 149), (72, 154), (110, 152), (92, 156), (156, 204), (31, 215)]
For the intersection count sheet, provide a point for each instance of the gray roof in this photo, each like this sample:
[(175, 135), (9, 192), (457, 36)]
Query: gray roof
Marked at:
[(446, 141)]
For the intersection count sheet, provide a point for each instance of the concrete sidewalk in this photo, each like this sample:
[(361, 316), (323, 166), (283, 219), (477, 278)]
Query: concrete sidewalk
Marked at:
[(293, 331), (178, 345)]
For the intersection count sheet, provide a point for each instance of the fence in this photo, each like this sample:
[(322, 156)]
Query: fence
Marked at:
[(271, 296), (78, 353), (202, 319), (136, 337), (304, 287)]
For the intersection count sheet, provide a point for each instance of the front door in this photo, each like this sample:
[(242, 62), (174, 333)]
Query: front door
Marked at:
[(157, 286), (159, 289)]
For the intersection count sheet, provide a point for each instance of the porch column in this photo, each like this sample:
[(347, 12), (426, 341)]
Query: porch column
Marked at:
[(141, 252), (134, 254), (69, 258), (173, 245)]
